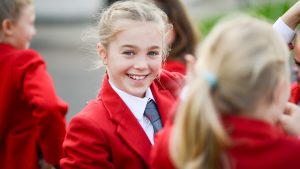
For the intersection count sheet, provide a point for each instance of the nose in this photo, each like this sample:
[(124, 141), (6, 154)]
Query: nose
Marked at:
[(141, 63)]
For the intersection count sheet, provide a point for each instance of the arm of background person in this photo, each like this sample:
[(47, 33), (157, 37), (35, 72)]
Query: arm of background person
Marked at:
[(287, 23)]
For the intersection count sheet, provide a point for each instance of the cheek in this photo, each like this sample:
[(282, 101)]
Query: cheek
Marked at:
[(158, 69), (27, 34), (119, 65), (32, 30), (157, 64)]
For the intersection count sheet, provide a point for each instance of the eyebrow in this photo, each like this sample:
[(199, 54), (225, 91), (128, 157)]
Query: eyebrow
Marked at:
[(133, 46)]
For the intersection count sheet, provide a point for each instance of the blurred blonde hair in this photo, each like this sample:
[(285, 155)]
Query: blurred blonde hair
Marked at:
[(134, 10), (11, 9), (248, 60)]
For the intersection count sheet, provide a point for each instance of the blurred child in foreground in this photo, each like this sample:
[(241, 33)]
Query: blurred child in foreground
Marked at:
[(32, 116), (228, 116)]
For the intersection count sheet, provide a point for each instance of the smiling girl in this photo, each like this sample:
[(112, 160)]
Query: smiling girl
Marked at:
[(115, 130)]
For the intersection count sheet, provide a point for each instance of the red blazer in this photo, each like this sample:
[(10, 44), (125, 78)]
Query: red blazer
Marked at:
[(175, 66), (257, 145), (31, 114), (105, 134), (295, 93)]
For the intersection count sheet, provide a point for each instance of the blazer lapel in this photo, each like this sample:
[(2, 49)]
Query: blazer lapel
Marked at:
[(135, 137), (164, 100), (128, 128)]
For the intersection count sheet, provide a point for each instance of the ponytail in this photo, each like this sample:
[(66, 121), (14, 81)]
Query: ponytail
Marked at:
[(200, 138)]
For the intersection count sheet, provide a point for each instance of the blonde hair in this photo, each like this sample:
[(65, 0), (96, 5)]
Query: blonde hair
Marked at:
[(11, 9), (248, 60), (138, 10)]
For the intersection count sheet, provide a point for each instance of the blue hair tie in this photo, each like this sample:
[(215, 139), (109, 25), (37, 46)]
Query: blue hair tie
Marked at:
[(210, 78)]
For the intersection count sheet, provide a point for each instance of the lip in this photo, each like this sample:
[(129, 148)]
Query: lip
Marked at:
[(137, 77)]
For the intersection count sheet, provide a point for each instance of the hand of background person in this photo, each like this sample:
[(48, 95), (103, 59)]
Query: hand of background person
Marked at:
[(290, 119), (292, 16), (190, 66)]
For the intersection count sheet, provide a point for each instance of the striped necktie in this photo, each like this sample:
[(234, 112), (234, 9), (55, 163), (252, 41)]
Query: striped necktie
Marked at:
[(151, 112)]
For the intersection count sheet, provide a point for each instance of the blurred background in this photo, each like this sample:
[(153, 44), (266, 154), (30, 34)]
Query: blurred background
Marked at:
[(62, 25)]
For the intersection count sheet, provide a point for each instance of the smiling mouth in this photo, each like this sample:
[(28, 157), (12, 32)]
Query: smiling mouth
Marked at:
[(137, 77)]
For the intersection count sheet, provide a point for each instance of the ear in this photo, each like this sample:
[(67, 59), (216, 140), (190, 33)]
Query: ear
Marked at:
[(102, 52), (7, 27)]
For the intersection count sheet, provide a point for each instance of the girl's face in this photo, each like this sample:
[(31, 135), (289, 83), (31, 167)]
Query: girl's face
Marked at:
[(133, 58), (296, 67), (297, 48), (23, 28)]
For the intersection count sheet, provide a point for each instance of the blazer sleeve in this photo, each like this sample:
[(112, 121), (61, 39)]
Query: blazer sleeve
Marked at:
[(172, 81), (48, 109), (295, 93), (160, 153), (85, 146)]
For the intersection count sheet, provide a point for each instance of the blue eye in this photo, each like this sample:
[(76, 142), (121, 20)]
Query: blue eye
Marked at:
[(153, 53), (129, 53)]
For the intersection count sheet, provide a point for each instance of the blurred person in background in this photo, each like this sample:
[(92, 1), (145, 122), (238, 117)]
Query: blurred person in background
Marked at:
[(295, 89), (109, 2), (229, 115), (286, 26), (32, 116), (184, 37)]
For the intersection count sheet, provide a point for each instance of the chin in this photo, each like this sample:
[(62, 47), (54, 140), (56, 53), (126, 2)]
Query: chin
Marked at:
[(138, 93)]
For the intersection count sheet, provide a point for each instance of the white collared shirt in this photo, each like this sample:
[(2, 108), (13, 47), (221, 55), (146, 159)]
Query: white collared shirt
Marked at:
[(284, 30), (137, 106)]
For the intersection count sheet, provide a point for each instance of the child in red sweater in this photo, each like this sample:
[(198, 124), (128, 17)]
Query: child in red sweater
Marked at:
[(32, 116)]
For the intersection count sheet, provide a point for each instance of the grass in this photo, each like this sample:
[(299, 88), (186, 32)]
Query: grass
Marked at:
[(269, 11)]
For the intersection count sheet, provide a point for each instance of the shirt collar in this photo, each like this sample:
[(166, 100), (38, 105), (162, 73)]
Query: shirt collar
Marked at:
[(136, 105)]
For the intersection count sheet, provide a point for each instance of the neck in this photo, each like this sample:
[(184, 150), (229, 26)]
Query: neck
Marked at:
[(266, 112)]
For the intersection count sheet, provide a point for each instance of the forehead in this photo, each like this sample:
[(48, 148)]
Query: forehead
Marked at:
[(27, 11), (139, 33)]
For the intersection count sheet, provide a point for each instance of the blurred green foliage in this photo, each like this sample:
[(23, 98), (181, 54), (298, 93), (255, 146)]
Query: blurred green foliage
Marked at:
[(269, 11)]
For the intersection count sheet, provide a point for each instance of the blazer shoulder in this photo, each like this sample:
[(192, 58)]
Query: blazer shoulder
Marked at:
[(172, 81), (29, 55), (24, 59), (94, 112)]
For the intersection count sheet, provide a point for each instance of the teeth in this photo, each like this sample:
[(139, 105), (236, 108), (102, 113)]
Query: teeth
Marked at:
[(135, 77)]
